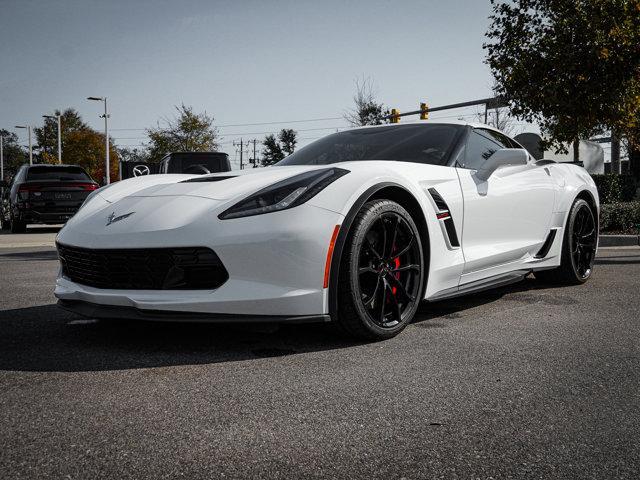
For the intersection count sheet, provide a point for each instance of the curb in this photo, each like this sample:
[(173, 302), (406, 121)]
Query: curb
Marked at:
[(619, 241)]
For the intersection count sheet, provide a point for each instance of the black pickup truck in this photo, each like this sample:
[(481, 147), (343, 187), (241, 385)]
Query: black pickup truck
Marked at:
[(195, 162), (199, 163), (49, 194)]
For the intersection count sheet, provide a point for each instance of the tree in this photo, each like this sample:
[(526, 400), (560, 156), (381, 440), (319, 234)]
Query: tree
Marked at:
[(573, 66), (86, 148), (14, 155), (127, 154), (187, 132), (47, 136), (288, 140), (276, 149), (368, 110)]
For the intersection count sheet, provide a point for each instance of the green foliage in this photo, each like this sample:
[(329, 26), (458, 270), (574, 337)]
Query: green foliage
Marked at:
[(127, 154), (368, 110), (47, 135), (187, 132), (620, 217), (272, 152), (615, 188), (288, 140), (14, 155), (86, 148), (573, 66), (275, 150)]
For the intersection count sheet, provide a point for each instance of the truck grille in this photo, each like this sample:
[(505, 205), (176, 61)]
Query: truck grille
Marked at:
[(194, 268)]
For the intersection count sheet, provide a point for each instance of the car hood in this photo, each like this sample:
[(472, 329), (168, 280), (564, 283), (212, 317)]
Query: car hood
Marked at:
[(217, 186)]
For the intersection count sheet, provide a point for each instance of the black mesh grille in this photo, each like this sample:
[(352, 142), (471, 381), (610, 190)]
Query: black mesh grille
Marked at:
[(143, 269)]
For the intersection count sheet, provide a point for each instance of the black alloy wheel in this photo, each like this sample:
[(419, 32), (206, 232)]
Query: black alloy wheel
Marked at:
[(382, 272), (583, 240), (578, 248)]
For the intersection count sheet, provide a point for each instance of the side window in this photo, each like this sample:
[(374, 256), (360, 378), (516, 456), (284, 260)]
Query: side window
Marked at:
[(479, 148)]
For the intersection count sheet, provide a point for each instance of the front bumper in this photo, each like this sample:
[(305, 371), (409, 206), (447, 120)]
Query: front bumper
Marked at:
[(45, 214), (109, 312), (275, 261)]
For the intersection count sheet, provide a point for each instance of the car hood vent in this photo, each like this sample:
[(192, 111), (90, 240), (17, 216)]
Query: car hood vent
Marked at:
[(216, 178)]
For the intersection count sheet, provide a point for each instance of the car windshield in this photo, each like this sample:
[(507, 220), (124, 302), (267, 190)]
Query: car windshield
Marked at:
[(418, 143), (57, 173)]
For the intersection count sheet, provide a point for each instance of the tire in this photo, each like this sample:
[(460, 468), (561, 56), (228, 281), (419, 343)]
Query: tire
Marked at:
[(381, 272), (578, 248), (17, 227)]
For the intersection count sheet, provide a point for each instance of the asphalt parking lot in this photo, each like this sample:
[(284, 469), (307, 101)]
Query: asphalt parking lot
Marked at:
[(523, 382)]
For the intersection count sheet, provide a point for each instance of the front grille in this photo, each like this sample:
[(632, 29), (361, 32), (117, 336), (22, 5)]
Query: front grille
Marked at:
[(195, 268)]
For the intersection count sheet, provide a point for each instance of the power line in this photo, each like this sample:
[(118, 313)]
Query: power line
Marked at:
[(235, 134), (248, 124)]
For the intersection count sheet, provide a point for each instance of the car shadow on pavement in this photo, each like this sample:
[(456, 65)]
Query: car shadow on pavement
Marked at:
[(27, 256), (431, 315), (48, 339), (618, 260)]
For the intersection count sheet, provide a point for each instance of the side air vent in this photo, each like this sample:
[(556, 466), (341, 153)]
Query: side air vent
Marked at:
[(444, 216), (451, 232), (546, 246), (440, 203), (209, 179)]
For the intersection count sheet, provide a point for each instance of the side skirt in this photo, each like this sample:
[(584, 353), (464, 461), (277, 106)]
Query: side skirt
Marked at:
[(480, 285)]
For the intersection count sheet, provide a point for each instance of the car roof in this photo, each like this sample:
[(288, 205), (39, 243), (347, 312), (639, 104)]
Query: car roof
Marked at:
[(430, 122), (51, 165)]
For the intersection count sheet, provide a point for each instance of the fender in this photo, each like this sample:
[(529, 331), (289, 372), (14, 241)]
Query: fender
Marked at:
[(342, 239)]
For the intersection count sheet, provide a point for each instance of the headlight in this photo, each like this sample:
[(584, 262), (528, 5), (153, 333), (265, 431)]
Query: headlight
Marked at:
[(285, 194)]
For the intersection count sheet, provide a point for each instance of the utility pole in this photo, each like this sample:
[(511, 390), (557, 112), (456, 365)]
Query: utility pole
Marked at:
[(241, 145), (615, 153), (255, 159), (1, 158), (106, 116), (28, 127)]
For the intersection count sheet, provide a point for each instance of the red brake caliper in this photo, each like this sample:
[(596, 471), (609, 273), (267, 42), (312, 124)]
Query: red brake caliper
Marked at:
[(396, 261)]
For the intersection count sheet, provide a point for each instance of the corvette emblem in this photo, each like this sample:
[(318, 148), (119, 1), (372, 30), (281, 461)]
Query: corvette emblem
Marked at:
[(113, 219)]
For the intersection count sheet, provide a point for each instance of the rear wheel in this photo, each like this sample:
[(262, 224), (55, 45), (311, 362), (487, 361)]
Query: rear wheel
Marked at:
[(381, 272), (578, 248)]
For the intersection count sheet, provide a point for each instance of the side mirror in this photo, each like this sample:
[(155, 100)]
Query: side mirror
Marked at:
[(501, 158)]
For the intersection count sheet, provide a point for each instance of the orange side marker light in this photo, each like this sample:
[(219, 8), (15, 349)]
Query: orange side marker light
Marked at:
[(327, 266)]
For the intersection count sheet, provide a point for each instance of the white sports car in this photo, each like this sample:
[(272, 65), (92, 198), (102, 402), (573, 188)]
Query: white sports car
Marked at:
[(357, 228)]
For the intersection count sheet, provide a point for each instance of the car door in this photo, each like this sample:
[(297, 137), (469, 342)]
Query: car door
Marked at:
[(506, 217)]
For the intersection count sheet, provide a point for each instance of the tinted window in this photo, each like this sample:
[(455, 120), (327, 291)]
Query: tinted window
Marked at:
[(502, 139), (430, 144), (57, 173), (479, 148)]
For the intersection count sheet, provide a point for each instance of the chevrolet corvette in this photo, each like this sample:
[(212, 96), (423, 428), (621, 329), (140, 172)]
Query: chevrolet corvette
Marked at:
[(357, 228)]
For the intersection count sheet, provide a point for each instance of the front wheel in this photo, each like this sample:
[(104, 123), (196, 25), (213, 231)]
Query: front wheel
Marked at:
[(578, 248), (381, 272)]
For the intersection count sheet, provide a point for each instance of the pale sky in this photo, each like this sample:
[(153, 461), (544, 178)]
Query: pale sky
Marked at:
[(241, 61)]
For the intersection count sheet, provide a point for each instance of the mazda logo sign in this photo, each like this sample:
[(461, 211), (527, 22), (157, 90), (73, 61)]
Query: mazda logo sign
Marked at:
[(140, 170)]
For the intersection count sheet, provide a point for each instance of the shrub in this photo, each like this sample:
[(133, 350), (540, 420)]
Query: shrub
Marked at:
[(615, 188), (621, 217)]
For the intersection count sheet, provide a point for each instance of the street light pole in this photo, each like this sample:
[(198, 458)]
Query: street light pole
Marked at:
[(106, 136), (28, 127), (59, 119), (1, 157)]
